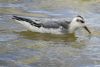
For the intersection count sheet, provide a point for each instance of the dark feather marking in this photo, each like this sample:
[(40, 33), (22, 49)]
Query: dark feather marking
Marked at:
[(27, 20), (80, 16)]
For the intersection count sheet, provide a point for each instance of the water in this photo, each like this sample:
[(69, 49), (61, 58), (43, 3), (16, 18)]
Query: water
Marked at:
[(22, 48)]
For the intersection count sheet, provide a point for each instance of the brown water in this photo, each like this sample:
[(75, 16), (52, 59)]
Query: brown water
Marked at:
[(22, 48)]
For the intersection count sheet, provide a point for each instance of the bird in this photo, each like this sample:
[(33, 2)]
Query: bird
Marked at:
[(53, 26)]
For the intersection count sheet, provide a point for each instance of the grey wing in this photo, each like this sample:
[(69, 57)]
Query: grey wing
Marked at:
[(64, 24), (50, 24), (54, 24)]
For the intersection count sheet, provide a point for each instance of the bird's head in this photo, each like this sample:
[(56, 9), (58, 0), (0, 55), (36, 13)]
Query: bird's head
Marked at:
[(76, 23)]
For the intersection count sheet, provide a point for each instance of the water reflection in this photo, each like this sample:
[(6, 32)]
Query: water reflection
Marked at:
[(44, 36)]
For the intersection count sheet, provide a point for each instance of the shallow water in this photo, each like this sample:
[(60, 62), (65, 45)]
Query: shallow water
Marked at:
[(22, 48)]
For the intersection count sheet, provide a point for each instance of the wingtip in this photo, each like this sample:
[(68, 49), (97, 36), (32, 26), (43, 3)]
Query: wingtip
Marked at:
[(14, 17)]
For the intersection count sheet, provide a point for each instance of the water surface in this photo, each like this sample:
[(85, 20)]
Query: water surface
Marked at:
[(22, 48)]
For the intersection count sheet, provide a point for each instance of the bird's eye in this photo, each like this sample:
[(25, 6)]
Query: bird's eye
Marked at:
[(80, 21)]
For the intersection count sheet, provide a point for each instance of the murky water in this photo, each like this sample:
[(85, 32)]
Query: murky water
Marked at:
[(22, 48)]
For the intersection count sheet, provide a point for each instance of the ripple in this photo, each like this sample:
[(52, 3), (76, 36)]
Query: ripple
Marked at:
[(7, 37), (5, 62), (10, 5)]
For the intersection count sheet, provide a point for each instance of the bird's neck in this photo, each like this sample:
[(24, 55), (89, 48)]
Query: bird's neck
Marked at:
[(72, 27)]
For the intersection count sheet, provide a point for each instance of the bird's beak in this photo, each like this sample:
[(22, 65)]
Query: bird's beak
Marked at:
[(86, 28)]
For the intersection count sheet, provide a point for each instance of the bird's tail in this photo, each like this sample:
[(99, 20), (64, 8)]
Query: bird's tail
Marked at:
[(26, 20), (21, 19)]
